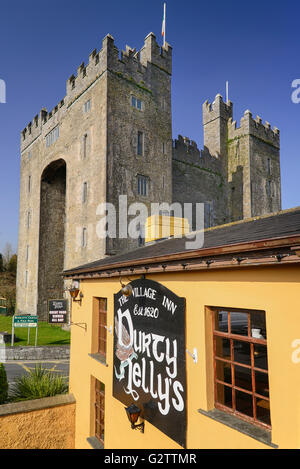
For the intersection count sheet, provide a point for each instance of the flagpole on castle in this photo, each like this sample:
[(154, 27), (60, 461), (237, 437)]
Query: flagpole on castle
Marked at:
[(164, 24)]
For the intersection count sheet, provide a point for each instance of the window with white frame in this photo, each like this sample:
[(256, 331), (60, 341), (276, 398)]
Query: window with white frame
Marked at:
[(87, 106), (143, 185), (52, 136), (136, 103)]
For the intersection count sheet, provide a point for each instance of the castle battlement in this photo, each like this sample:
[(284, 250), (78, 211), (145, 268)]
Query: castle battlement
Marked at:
[(130, 64), (218, 108), (187, 151), (254, 127)]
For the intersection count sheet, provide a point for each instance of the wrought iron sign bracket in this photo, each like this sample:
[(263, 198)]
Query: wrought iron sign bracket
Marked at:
[(83, 325)]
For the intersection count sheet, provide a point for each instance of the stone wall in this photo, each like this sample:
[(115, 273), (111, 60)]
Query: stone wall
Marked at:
[(198, 178), (34, 353), (40, 424)]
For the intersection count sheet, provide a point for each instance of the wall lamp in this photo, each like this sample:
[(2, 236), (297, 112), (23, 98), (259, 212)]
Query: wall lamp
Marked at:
[(133, 413), (74, 292)]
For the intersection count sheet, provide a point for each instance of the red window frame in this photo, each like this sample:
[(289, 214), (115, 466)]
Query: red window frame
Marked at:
[(102, 326), (245, 339), (99, 410)]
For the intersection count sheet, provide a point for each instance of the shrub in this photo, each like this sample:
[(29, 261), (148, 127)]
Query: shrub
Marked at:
[(3, 385), (38, 383)]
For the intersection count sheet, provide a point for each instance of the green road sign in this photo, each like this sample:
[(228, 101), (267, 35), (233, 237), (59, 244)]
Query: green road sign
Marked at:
[(28, 321), (25, 321)]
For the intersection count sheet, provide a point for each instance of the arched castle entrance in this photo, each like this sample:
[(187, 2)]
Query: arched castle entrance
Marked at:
[(51, 235)]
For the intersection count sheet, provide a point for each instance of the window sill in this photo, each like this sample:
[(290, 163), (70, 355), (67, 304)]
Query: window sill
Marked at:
[(99, 358), (95, 443), (257, 433)]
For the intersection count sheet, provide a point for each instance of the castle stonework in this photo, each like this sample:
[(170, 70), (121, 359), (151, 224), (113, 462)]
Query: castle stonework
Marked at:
[(112, 135)]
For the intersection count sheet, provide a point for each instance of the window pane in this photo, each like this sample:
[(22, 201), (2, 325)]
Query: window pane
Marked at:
[(262, 383), (223, 348), (133, 101), (223, 371), (239, 323), (263, 411), (244, 403), (102, 303), (242, 352), (221, 321), (139, 104), (224, 395), (260, 357), (243, 378), (258, 325)]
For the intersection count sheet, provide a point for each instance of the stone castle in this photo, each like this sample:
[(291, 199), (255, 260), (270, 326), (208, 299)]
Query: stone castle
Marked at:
[(112, 135)]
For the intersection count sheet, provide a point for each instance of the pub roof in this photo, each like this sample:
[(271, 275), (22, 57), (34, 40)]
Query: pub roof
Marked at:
[(274, 238)]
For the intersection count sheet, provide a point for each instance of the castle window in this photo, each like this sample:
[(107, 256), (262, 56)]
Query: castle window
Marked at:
[(143, 185), (26, 278), (29, 184), (85, 141), (140, 143), (29, 155), (164, 148), (84, 192), (269, 166), (87, 106), (84, 238), (241, 364), (27, 253), (136, 103), (28, 219), (269, 188), (52, 136)]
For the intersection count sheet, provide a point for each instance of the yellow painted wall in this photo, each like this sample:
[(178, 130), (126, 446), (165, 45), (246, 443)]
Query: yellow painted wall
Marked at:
[(275, 290), (49, 428)]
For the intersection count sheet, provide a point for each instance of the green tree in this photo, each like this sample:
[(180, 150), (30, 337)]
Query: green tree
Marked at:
[(12, 264), (1, 263), (3, 385)]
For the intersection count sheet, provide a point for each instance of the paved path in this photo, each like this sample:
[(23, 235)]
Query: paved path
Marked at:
[(15, 369)]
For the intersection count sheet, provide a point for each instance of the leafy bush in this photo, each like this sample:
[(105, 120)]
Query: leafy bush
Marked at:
[(3, 385), (38, 383)]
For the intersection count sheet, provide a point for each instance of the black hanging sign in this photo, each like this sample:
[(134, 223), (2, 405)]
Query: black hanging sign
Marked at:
[(58, 311), (149, 356)]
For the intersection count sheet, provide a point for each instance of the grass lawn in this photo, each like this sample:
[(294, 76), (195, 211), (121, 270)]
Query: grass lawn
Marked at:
[(47, 334)]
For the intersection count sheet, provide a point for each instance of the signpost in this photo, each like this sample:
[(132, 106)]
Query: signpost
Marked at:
[(24, 321), (150, 355), (58, 311)]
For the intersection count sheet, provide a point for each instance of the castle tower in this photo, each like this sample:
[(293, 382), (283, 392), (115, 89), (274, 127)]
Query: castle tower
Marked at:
[(253, 168), (111, 135), (237, 175), (215, 121)]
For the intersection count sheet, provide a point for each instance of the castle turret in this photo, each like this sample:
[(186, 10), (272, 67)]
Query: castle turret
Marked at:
[(215, 119)]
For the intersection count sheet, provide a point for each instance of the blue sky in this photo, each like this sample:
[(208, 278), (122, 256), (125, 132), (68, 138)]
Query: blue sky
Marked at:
[(253, 44)]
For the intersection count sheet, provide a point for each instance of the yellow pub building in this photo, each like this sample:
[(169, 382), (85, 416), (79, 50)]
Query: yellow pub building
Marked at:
[(183, 348)]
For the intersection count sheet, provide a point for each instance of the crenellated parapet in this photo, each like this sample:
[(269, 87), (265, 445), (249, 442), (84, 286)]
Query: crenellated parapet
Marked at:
[(218, 108), (187, 151), (132, 65), (254, 128)]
